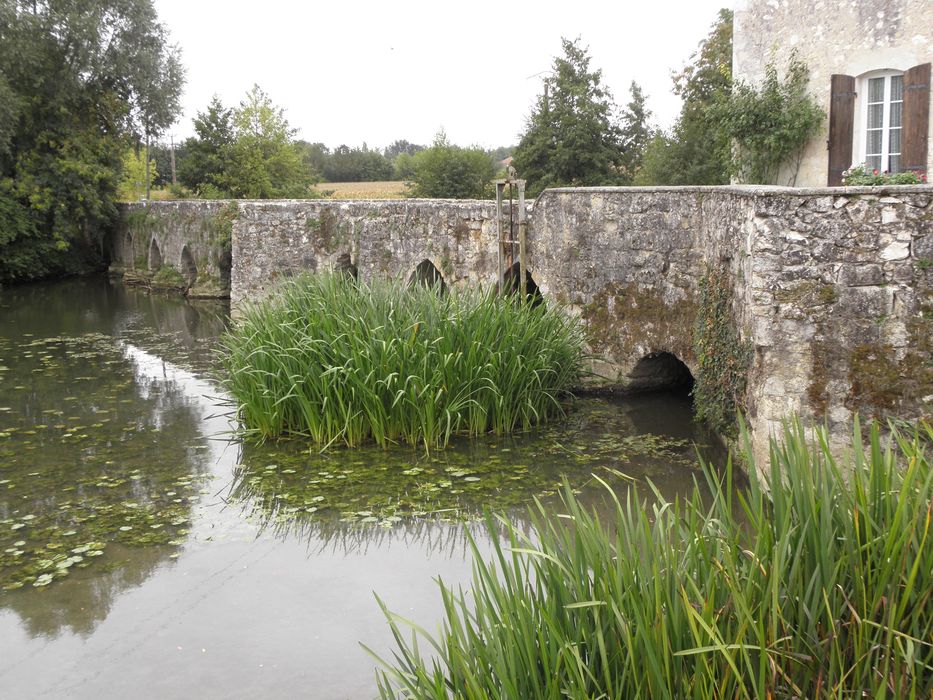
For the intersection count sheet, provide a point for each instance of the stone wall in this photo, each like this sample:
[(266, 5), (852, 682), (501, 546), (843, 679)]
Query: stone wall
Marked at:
[(850, 38), (831, 288), (181, 246)]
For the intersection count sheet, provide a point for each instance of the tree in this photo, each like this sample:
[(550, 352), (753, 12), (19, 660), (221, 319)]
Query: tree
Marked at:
[(132, 183), (696, 151), (79, 82), (248, 152), (636, 134), (447, 171), (572, 136), (401, 146), (207, 154), (265, 162), (362, 164)]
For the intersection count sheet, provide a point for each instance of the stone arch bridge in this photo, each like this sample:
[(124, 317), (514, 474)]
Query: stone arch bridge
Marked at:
[(829, 290)]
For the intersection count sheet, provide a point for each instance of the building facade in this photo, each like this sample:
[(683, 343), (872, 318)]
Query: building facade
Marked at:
[(869, 63)]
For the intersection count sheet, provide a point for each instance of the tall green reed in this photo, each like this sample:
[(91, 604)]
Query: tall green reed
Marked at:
[(343, 362), (815, 583)]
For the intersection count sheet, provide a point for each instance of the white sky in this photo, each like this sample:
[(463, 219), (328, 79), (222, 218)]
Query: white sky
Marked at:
[(347, 71)]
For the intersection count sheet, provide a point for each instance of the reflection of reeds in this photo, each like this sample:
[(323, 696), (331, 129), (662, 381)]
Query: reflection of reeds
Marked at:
[(440, 532), (348, 363), (820, 586)]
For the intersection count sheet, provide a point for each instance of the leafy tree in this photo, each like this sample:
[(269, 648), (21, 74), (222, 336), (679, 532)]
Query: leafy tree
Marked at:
[(770, 124), (207, 153), (264, 160), (696, 151), (572, 136), (79, 81), (132, 183), (636, 133), (447, 171), (314, 155), (248, 152)]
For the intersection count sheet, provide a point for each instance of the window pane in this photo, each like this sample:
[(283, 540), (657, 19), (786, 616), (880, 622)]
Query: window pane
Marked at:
[(897, 88), (896, 109), (875, 115), (894, 145), (894, 164), (876, 90), (873, 163), (873, 146)]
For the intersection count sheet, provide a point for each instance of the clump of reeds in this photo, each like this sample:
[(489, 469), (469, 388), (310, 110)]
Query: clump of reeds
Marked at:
[(817, 588), (344, 362)]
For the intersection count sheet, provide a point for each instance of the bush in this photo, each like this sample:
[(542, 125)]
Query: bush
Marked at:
[(445, 171), (347, 363), (820, 588)]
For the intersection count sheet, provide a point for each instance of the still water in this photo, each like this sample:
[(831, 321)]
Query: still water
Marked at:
[(146, 553)]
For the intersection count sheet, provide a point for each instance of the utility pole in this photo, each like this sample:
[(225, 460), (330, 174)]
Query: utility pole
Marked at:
[(147, 165), (172, 138)]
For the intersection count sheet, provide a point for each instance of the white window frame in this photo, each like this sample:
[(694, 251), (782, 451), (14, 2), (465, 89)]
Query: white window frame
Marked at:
[(860, 133)]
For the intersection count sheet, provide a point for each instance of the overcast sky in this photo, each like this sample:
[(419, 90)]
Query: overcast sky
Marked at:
[(349, 72)]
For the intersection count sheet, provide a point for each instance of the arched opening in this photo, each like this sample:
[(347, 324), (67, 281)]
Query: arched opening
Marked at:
[(155, 256), (511, 285), (660, 371), (129, 255), (344, 264), (188, 267), (427, 275), (224, 264)]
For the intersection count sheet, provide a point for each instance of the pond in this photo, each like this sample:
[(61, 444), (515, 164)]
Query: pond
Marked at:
[(145, 552)]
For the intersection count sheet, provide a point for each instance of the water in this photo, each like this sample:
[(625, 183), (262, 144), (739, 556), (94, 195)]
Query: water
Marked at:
[(145, 553)]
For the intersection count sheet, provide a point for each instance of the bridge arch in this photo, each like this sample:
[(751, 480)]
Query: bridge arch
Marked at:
[(510, 284), (426, 274), (155, 255), (189, 268), (660, 371)]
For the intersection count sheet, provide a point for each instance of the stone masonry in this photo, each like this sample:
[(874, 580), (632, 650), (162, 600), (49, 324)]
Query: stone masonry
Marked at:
[(832, 288)]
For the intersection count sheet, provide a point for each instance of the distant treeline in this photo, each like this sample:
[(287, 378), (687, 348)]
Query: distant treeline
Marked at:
[(341, 164)]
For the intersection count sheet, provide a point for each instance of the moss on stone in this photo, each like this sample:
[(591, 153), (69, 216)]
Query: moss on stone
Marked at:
[(723, 357), (808, 293), (622, 319)]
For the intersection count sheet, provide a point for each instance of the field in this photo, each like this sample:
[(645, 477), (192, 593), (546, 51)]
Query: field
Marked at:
[(362, 190)]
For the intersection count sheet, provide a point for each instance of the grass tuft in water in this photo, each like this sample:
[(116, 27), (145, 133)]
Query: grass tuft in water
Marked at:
[(349, 363), (817, 588)]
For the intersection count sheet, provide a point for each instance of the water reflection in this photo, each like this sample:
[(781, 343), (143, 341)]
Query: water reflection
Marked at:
[(108, 420), (102, 450)]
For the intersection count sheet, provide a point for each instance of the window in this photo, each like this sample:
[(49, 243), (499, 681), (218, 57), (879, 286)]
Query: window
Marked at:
[(882, 109)]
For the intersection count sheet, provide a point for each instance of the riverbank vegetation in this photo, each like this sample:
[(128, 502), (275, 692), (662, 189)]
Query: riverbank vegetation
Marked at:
[(345, 362), (79, 84), (820, 587)]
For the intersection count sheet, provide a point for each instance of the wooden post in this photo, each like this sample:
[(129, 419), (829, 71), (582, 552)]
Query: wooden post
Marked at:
[(500, 185), (522, 226)]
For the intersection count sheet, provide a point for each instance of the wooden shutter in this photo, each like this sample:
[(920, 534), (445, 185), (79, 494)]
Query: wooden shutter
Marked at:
[(916, 118), (841, 125)]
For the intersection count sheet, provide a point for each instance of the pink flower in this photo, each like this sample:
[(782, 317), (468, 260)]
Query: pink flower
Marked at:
[(875, 171)]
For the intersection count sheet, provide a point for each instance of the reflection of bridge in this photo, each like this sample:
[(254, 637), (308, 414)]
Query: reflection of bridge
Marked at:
[(827, 286)]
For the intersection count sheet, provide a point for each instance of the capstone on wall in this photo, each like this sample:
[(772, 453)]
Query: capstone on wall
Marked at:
[(850, 37)]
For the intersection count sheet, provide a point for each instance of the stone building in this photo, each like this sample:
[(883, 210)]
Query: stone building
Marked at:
[(869, 64)]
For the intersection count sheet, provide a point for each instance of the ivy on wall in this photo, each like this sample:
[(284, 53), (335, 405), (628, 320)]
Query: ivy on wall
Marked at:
[(723, 358)]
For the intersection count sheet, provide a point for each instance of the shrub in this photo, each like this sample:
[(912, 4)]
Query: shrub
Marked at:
[(347, 363), (820, 588)]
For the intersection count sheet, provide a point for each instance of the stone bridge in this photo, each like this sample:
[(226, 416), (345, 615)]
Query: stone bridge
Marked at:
[(828, 308)]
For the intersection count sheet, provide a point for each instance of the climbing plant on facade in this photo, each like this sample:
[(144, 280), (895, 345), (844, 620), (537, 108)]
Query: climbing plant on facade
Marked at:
[(770, 124)]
